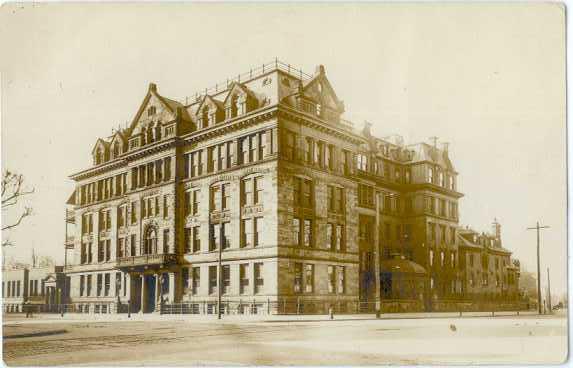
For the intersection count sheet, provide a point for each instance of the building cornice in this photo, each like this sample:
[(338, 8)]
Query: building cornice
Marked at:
[(319, 124)]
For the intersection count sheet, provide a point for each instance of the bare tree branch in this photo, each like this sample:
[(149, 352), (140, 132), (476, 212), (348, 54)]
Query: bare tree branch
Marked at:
[(12, 191)]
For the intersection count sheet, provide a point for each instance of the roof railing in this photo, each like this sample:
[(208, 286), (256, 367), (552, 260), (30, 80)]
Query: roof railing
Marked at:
[(252, 73)]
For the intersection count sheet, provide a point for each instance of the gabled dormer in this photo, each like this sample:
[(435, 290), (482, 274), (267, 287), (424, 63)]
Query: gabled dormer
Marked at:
[(100, 152), (118, 144), (209, 112), (157, 118), (318, 96), (239, 101)]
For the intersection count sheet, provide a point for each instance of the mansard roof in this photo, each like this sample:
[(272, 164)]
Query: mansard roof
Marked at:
[(426, 152)]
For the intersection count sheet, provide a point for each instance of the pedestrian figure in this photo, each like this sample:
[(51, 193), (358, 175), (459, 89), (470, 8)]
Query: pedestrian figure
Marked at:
[(331, 312), (28, 308)]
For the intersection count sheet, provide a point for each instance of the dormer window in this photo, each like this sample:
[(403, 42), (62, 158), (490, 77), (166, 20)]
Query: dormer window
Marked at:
[(234, 106), (151, 111), (205, 117), (99, 156), (116, 149)]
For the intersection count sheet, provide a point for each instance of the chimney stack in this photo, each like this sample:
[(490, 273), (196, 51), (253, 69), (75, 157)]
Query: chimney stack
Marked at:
[(319, 70), (152, 87)]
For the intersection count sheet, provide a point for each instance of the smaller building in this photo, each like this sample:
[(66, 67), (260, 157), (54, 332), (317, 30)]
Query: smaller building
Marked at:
[(44, 288), (487, 270)]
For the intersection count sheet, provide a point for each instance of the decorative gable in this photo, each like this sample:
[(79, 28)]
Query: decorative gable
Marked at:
[(100, 152), (320, 91), (239, 101), (209, 112), (118, 145)]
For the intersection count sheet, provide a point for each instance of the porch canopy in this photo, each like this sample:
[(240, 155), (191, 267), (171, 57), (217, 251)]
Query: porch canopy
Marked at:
[(401, 278)]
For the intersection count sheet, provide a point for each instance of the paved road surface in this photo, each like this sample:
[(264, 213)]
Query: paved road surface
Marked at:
[(306, 341)]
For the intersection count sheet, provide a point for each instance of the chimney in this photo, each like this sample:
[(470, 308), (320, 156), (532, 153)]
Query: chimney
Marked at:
[(445, 146), (496, 229), (319, 70), (152, 87), (366, 129)]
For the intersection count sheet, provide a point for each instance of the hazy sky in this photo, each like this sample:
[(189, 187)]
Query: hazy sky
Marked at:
[(488, 78)]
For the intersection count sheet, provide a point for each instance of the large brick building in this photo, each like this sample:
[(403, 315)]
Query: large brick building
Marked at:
[(263, 175)]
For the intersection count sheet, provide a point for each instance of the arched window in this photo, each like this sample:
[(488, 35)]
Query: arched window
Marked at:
[(150, 243)]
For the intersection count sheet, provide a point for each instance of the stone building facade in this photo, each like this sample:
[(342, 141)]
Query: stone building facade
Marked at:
[(259, 190)]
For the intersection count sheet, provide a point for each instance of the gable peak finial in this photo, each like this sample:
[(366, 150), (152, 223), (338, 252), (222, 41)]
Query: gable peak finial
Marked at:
[(319, 70), (152, 87)]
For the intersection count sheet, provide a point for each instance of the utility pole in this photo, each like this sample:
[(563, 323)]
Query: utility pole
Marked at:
[(537, 227), (548, 291)]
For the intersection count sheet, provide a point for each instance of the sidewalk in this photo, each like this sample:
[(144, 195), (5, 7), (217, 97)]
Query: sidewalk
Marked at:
[(15, 319)]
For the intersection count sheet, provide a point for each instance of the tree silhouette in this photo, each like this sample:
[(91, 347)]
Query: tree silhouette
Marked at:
[(12, 191)]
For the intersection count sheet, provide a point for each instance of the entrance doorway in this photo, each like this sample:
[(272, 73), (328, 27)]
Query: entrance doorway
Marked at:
[(150, 282)]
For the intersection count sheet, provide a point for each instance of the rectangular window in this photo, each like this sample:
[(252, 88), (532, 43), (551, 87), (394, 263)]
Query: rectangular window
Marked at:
[(211, 159), (262, 144), (89, 285), (226, 197), (244, 145), (298, 277), (226, 277), (99, 284), (188, 240), (309, 278), (108, 250), (185, 278), (247, 233), (165, 206), (330, 236), (296, 230), (331, 280), (307, 233), (196, 280), (306, 194), (244, 278), (167, 165), (258, 184), (247, 192), (259, 279), (225, 232), (82, 284), (257, 231), (215, 237), (212, 279), (120, 248), (341, 280), (339, 239), (196, 239), (133, 212), (106, 284), (216, 198), (101, 251)]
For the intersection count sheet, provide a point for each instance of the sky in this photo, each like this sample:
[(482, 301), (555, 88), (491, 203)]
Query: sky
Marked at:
[(487, 78)]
